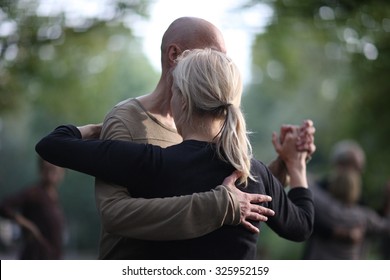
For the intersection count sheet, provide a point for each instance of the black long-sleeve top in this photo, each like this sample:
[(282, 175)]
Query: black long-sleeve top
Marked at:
[(192, 166)]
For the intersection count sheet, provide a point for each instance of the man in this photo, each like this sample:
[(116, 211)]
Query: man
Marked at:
[(342, 225), (37, 211), (148, 119)]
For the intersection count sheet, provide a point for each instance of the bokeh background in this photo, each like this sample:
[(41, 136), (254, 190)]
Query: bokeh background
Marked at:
[(71, 61)]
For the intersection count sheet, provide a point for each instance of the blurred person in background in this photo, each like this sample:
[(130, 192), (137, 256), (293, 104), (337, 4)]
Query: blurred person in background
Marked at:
[(38, 212), (342, 226)]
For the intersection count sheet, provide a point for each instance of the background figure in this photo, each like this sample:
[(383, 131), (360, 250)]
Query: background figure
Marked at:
[(342, 226), (38, 212)]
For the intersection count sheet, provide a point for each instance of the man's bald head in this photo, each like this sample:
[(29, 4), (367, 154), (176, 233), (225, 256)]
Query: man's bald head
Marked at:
[(191, 33)]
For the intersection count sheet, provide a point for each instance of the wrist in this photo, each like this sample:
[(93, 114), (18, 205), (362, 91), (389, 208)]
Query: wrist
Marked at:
[(233, 215), (298, 176), (90, 131)]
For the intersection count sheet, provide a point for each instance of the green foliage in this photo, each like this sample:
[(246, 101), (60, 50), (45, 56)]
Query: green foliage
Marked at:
[(36, 48), (327, 61), (55, 71)]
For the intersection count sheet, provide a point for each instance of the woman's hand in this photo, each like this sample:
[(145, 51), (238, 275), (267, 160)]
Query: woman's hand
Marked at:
[(286, 146), (305, 139), (90, 131), (295, 160)]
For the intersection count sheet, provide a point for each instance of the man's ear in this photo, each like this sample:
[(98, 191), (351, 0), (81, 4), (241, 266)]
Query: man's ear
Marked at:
[(173, 52)]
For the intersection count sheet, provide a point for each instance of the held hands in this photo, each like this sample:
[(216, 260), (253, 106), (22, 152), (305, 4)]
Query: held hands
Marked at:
[(90, 131), (304, 143), (249, 208), (294, 146), (286, 147), (305, 136)]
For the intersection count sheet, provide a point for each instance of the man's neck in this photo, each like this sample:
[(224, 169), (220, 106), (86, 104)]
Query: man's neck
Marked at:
[(158, 103)]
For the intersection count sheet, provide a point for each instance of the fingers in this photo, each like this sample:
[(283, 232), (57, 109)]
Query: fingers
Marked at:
[(258, 198), (310, 148), (306, 137), (308, 123), (257, 213), (291, 139), (250, 227), (285, 129)]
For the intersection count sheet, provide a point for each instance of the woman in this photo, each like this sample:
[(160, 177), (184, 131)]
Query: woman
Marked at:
[(207, 90)]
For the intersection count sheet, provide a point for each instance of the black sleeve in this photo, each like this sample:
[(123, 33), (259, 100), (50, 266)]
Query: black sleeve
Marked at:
[(111, 160), (294, 212)]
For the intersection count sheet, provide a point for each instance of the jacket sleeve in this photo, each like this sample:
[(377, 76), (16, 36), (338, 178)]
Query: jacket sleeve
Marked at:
[(376, 224), (170, 218)]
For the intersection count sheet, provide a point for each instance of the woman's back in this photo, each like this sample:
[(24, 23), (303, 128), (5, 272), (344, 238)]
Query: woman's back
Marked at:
[(187, 168)]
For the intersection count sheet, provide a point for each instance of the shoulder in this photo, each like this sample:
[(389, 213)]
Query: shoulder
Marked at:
[(121, 122), (125, 110), (259, 169)]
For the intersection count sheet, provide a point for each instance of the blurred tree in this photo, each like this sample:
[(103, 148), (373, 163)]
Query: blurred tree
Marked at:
[(59, 65), (328, 61), (32, 31)]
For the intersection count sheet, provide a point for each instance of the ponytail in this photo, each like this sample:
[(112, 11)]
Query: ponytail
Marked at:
[(233, 144)]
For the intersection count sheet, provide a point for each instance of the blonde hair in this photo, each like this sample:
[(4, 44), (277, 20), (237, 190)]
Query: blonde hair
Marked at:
[(211, 85)]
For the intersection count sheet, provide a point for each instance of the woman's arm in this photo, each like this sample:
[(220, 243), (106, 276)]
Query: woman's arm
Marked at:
[(294, 160), (112, 160), (304, 143), (65, 147), (294, 212)]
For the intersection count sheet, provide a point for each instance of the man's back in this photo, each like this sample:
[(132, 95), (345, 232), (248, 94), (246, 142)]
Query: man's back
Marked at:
[(131, 122)]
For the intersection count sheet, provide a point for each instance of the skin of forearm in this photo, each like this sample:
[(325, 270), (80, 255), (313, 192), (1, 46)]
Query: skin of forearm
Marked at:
[(297, 174)]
